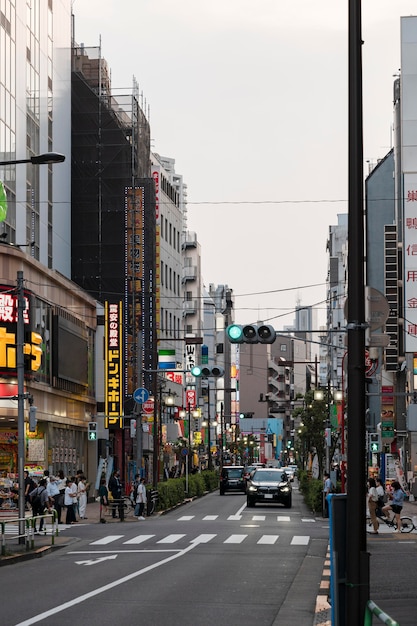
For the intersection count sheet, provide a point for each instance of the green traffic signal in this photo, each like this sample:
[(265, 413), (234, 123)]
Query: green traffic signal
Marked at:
[(196, 371), (92, 436), (235, 333)]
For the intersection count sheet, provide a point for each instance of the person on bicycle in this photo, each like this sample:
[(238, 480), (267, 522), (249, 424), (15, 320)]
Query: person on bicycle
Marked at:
[(396, 503)]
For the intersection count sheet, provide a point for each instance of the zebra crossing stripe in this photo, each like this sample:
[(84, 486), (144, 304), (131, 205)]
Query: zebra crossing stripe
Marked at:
[(138, 539), (203, 538), (186, 518), (171, 539), (259, 518), (268, 539), (210, 518), (105, 540), (235, 539), (283, 518), (300, 540)]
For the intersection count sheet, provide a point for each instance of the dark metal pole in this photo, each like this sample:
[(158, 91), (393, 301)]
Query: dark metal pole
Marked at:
[(209, 459), (189, 437), (20, 366), (357, 583)]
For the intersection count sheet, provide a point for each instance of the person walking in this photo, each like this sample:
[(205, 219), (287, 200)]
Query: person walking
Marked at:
[(54, 496), (327, 488), (140, 500), (40, 502), (104, 499), (396, 504), (82, 496), (30, 485), (115, 488), (372, 504), (381, 496), (69, 500)]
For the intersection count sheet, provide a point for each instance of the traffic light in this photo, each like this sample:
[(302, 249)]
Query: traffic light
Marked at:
[(92, 431), (374, 442), (251, 333), (32, 419), (207, 371)]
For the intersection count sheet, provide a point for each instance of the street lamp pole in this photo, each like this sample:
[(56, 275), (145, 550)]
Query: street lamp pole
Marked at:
[(20, 366), (38, 159)]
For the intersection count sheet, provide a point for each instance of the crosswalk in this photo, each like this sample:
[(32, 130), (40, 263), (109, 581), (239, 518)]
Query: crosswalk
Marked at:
[(175, 538), (239, 517)]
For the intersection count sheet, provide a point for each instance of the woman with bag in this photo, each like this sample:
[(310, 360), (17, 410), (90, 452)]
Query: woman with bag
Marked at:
[(381, 496), (372, 504), (140, 500)]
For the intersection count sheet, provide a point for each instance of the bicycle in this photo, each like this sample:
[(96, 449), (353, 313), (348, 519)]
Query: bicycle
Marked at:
[(407, 524)]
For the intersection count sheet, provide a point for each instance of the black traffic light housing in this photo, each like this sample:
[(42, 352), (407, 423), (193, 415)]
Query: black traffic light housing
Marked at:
[(374, 442), (207, 371), (92, 431), (251, 333)]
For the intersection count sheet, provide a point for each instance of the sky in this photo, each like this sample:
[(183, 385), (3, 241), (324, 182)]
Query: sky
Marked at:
[(251, 100)]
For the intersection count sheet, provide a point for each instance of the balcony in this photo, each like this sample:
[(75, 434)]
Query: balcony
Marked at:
[(190, 307), (189, 240), (189, 273)]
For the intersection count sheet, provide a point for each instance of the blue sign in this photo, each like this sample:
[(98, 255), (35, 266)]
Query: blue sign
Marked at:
[(141, 395), (184, 451)]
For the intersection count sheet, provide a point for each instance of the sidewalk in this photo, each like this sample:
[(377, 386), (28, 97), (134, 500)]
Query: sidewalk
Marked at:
[(43, 543)]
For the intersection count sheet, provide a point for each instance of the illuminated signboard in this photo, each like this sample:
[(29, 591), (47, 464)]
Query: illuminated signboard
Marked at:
[(113, 365), (32, 348)]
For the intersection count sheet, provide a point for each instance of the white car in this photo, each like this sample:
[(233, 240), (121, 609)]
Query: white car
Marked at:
[(290, 472)]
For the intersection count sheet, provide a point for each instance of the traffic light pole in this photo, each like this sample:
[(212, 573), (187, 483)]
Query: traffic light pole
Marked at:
[(20, 366)]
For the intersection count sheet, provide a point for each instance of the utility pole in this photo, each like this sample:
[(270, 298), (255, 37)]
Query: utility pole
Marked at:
[(20, 366)]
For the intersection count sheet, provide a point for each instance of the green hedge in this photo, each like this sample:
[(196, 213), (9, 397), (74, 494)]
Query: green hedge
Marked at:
[(312, 490), (172, 491)]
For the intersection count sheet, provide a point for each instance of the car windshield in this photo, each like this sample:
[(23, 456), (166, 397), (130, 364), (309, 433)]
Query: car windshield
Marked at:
[(234, 473), (269, 477)]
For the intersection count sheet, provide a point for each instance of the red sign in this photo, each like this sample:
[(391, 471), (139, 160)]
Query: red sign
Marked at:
[(190, 398), (148, 406)]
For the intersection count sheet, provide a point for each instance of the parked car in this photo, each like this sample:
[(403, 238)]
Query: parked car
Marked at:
[(269, 485), (231, 479)]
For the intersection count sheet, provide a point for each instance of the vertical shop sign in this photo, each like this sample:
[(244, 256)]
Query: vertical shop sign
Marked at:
[(113, 365)]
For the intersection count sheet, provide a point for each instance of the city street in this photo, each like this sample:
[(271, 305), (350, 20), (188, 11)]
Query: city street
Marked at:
[(212, 560)]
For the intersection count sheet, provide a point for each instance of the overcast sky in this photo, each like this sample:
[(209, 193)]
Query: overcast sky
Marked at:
[(251, 100)]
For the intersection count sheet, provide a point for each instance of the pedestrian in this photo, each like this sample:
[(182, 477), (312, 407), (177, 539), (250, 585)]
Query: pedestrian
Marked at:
[(327, 488), (381, 496), (104, 499), (115, 487), (396, 504), (40, 501), (82, 496), (30, 485), (140, 500), (69, 499), (54, 496), (62, 483), (372, 504)]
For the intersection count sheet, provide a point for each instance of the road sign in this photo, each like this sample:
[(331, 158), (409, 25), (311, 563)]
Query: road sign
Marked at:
[(184, 451), (148, 406), (140, 395)]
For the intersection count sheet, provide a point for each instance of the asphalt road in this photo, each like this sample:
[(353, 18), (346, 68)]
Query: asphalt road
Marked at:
[(210, 561)]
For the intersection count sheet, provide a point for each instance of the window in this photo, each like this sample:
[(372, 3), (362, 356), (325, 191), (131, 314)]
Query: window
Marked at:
[(283, 347)]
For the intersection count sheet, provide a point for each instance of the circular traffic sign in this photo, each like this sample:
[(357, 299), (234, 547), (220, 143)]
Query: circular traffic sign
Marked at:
[(140, 395), (148, 406)]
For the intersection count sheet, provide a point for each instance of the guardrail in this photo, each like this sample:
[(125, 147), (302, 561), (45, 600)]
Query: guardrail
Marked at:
[(373, 609), (30, 524)]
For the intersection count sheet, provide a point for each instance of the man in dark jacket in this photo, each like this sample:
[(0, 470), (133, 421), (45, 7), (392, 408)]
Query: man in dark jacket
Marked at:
[(115, 487), (39, 498)]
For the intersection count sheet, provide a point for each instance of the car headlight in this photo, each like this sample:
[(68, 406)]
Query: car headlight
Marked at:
[(285, 488), (253, 488)]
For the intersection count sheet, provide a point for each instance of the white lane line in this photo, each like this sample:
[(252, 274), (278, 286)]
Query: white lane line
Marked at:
[(106, 540), (235, 539), (186, 518), (234, 518), (259, 518), (268, 539), (203, 538), (307, 519), (210, 518), (138, 539), (300, 540), (283, 518), (171, 539), (104, 589)]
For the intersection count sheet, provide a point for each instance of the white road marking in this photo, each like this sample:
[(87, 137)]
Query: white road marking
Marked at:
[(259, 518), (186, 518), (308, 519), (283, 518), (210, 518), (105, 540), (268, 539), (171, 539), (203, 538), (234, 518), (235, 539), (95, 561), (104, 588), (300, 540), (138, 539)]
